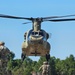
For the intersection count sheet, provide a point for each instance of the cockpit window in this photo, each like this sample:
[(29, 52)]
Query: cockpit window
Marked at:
[(34, 33), (41, 33), (37, 33)]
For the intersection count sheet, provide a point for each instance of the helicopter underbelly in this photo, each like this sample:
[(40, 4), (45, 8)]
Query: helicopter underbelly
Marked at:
[(36, 49)]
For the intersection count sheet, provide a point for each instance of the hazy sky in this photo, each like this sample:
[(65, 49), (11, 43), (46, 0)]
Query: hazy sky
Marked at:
[(63, 33)]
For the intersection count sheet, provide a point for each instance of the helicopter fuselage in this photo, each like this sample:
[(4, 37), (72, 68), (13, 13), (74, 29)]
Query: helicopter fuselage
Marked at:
[(35, 43)]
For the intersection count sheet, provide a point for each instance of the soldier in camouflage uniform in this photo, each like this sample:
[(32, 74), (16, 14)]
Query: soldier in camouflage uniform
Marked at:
[(45, 68), (4, 51)]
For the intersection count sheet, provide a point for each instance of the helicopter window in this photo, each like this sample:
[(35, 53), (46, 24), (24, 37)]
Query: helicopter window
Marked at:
[(32, 33), (40, 33), (36, 33)]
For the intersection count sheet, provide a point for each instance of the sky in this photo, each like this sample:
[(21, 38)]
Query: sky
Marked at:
[(12, 31)]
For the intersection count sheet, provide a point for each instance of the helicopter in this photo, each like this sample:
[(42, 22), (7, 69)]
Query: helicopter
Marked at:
[(36, 39)]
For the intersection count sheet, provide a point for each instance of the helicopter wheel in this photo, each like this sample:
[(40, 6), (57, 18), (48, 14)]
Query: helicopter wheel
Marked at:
[(47, 57), (23, 56)]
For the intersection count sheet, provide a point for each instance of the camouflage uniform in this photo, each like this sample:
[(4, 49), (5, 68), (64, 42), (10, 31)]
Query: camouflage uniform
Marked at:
[(45, 68), (4, 51), (33, 73)]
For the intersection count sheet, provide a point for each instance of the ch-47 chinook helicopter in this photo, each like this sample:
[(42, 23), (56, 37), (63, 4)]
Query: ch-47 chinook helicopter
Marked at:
[(35, 40)]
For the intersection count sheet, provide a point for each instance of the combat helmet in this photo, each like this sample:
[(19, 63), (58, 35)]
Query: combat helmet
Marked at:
[(2, 43), (45, 62)]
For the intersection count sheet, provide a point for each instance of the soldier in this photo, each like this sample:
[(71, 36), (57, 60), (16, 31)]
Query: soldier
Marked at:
[(4, 51), (45, 68), (2, 45)]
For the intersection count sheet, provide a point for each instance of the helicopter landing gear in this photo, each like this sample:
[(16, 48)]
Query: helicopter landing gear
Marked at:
[(47, 57), (23, 56)]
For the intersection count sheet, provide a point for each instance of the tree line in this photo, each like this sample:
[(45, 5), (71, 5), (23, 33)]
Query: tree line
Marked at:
[(58, 66)]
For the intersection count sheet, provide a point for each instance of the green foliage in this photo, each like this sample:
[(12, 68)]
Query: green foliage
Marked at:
[(58, 67)]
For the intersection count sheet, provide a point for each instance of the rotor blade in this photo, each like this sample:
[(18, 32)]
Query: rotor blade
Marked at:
[(59, 20), (58, 16), (26, 22), (13, 17)]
